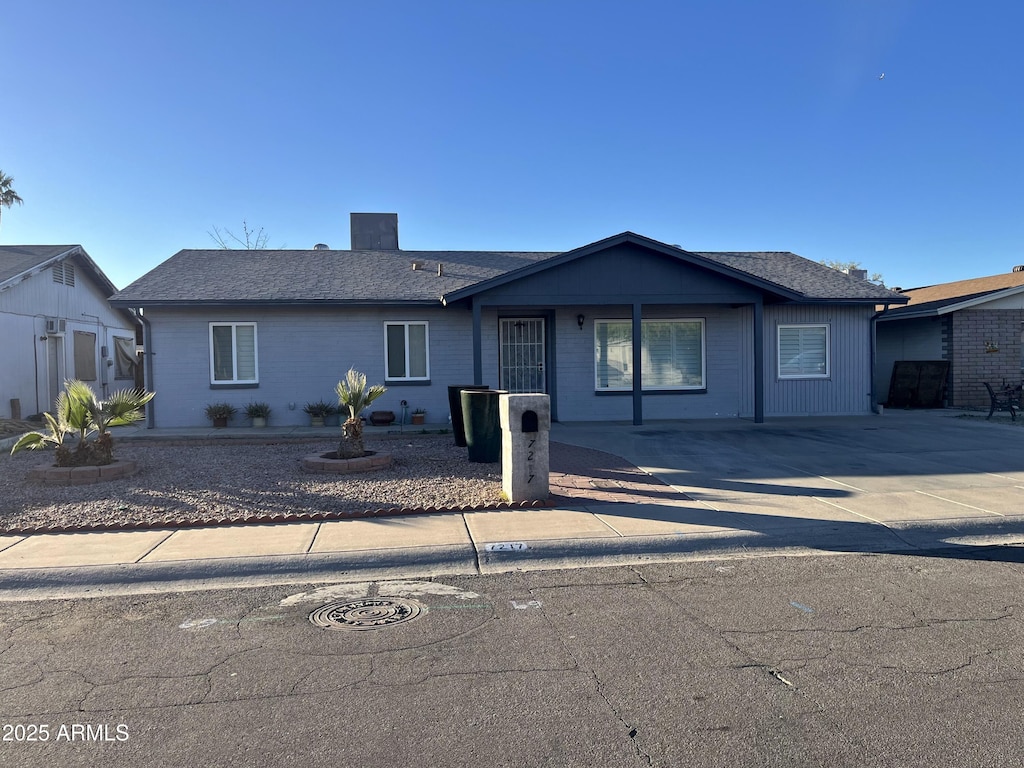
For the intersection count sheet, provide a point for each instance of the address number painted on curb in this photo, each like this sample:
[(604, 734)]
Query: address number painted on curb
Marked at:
[(506, 546)]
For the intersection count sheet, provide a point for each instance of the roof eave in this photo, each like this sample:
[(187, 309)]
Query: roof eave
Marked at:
[(202, 303), (873, 300), (959, 305), (40, 266)]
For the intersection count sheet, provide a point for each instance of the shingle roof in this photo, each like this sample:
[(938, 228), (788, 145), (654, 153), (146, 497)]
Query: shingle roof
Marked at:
[(372, 277), (803, 276), (930, 299), (17, 259), (376, 277)]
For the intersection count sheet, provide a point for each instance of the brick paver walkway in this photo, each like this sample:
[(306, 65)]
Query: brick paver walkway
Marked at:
[(585, 476)]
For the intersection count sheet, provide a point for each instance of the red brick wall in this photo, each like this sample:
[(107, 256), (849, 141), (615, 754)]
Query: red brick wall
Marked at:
[(971, 364)]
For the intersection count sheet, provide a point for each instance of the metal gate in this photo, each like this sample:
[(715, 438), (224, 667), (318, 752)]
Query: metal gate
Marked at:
[(521, 355)]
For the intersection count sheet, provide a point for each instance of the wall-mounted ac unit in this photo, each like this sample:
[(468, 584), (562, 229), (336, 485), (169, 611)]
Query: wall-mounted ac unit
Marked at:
[(55, 326)]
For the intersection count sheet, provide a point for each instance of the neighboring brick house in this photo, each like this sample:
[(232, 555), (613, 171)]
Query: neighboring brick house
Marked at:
[(974, 325)]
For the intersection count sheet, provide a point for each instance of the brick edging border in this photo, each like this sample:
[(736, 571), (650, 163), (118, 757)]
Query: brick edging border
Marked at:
[(85, 475), (303, 517)]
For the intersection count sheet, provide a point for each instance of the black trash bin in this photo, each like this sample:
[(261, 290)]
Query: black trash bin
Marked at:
[(455, 408), (482, 422)]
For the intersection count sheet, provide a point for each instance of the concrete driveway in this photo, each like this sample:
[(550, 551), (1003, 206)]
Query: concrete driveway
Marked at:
[(926, 477)]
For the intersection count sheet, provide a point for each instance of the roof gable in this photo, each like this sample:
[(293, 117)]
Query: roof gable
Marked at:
[(779, 275), (20, 261)]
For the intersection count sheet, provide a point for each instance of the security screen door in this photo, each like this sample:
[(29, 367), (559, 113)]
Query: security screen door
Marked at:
[(522, 355)]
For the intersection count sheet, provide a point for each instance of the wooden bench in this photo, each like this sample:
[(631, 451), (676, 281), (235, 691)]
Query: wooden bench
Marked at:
[(1006, 399)]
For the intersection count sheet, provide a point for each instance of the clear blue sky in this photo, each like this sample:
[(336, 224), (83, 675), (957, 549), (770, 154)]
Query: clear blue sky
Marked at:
[(134, 128)]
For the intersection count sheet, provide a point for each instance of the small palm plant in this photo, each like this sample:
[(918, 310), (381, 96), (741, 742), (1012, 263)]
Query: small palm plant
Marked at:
[(79, 410), (354, 394)]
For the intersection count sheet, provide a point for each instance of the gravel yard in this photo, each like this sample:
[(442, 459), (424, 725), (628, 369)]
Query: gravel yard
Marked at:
[(235, 482)]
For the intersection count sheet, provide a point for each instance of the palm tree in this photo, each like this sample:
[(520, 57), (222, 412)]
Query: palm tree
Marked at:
[(353, 393), (8, 196), (79, 410)]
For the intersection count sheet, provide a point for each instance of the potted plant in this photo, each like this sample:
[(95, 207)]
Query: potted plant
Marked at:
[(259, 413), (219, 413), (317, 411), (419, 416)]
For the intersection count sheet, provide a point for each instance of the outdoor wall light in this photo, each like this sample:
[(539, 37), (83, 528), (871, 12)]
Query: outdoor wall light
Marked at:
[(579, 320)]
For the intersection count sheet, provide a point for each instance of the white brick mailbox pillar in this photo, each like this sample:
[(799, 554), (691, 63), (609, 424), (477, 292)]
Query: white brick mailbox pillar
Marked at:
[(525, 425)]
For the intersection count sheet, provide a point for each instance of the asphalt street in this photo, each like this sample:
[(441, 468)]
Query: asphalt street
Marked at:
[(829, 660)]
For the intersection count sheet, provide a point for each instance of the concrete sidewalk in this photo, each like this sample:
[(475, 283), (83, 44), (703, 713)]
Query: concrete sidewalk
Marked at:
[(734, 489)]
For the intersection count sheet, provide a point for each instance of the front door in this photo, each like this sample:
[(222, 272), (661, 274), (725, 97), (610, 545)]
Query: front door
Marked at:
[(522, 355)]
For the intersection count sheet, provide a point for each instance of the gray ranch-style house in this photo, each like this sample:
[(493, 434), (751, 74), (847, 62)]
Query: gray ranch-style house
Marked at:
[(721, 335)]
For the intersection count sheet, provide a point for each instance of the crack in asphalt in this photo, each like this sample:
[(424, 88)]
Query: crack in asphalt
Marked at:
[(795, 693), (922, 624), (599, 686)]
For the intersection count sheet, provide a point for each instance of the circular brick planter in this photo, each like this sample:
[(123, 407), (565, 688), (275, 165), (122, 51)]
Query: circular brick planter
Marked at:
[(82, 475), (369, 463)]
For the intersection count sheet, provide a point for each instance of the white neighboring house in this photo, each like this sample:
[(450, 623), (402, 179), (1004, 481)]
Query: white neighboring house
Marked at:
[(56, 324)]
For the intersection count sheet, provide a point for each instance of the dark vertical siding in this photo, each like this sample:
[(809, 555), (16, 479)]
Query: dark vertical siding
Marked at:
[(847, 390)]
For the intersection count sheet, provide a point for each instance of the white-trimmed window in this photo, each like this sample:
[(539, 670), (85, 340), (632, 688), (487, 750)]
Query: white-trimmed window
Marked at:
[(672, 354), (406, 351), (804, 351), (233, 353)]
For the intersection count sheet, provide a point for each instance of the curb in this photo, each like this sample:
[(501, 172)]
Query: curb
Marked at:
[(301, 517), (224, 573)]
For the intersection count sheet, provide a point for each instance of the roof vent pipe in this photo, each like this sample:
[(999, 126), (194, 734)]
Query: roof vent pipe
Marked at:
[(440, 269)]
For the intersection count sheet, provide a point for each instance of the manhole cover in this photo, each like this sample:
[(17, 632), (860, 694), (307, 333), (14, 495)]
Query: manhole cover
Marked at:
[(368, 613)]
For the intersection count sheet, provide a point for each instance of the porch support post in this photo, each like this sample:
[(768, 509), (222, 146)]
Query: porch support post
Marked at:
[(478, 354), (638, 401), (759, 361)]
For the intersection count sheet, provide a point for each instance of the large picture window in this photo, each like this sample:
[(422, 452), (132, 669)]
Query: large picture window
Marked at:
[(406, 351), (804, 352), (672, 354), (233, 355)]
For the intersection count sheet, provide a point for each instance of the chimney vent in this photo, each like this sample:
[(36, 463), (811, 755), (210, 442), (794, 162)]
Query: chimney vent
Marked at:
[(374, 231)]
